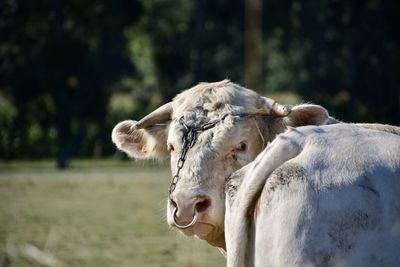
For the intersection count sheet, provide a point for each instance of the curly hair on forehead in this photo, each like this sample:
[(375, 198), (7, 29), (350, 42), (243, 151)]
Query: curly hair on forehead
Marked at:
[(210, 98)]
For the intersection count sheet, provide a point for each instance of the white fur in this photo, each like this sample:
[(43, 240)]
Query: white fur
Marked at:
[(345, 213)]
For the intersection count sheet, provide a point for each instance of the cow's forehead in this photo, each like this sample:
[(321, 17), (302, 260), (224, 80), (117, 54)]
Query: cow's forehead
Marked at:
[(212, 98)]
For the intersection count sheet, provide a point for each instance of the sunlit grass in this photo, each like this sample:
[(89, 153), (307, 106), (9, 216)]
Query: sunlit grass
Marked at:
[(96, 214)]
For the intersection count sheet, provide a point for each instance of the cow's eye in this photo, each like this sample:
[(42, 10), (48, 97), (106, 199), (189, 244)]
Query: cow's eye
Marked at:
[(170, 148), (242, 147)]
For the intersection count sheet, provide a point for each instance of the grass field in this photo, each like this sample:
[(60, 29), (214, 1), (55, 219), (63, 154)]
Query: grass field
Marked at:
[(98, 213)]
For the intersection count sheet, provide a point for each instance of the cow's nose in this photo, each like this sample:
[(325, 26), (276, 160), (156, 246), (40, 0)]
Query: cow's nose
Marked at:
[(186, 207)]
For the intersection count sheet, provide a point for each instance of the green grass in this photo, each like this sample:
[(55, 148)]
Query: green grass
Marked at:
[(95, 214)]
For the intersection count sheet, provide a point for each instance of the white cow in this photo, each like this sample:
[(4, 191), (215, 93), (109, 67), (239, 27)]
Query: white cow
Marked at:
[(239, 124), (209, 132), (318, 196)]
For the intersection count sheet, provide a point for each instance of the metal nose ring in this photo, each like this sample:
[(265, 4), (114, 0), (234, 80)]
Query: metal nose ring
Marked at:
[(194, 220)]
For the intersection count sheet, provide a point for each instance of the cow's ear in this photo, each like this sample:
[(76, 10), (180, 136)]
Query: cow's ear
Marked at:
[(147, 143), (307, 114)]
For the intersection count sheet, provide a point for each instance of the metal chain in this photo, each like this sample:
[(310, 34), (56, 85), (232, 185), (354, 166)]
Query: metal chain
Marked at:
[(189, 139)]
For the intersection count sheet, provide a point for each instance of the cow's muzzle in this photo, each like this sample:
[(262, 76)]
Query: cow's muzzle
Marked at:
[(187, 209)]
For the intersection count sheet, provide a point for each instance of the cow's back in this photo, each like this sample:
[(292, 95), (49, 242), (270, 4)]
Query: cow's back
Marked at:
[(336, 203)]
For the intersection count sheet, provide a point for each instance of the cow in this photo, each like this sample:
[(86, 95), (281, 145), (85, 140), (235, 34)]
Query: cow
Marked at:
[(243, 123), (318, 196), (210, 131)]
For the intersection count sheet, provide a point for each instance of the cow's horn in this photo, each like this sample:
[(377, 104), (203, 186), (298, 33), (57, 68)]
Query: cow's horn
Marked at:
[(162, 114), (271, 107)]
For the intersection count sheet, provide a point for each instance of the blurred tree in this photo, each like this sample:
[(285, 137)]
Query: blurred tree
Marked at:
[(194, 41), (71, 51), (253, 44), (60, 61), (344, 55)]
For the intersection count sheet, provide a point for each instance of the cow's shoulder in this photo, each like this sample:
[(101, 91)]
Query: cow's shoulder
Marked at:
[(286, 174)]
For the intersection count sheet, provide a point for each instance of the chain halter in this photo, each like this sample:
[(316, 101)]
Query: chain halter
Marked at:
[(189, 139)]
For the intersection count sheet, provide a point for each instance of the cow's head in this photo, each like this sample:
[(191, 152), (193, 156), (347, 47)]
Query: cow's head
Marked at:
[(239, 124)]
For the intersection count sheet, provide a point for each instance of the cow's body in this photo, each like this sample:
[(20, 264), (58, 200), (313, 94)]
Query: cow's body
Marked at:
[(318, 196)]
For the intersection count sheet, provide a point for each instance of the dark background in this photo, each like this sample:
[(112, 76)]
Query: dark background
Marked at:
[(70, 70)]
